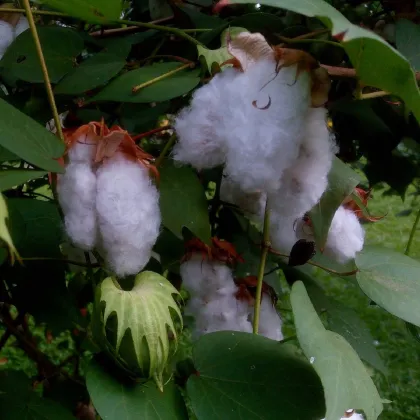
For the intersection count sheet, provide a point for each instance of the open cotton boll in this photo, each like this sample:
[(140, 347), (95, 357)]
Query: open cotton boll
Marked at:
[(304, 182), (127, 205), (282, 232), (270, 321), (83, 149), (21, 26), (201, 126), (345, 237), (77, 194), (264, 115), (252, 204), (7, 36)]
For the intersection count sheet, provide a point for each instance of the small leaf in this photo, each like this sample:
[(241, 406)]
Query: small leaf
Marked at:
[(390, 279), (60, 47), (220, 55), (120, 89), (95, 71), (4, 231), (346, 382), (145, 312), (27, 139), (341, 182), (116, 400), (407, 39), (14, 177), (246, 376), (183, 202), (94, 11)]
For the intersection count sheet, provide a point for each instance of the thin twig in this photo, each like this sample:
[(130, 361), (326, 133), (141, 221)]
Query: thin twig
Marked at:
[(172, 57), (165, 150), (372, 95), (412, 234), (151, 132), (265, 248), (135, 89), (307, 41)]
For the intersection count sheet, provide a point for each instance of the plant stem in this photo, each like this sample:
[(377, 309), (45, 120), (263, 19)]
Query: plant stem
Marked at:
[(151, 132), (372, 95), (412, 233), (265, 247), (41, 58), (165, 150), (135, 89), (307, 41)]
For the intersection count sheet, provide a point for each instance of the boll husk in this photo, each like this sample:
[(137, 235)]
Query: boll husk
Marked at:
[(138, 328), (127, 205)]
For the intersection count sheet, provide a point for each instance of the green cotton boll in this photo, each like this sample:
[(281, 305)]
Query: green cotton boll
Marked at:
[(139, 328)]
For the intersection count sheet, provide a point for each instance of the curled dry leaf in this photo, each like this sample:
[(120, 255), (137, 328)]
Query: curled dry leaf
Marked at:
[(321, 84)]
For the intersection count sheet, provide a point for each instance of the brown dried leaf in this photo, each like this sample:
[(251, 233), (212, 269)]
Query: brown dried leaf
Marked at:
[(321, 84)]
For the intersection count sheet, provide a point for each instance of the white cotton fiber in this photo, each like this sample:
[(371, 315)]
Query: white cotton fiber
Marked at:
[(6, 36), (270, 321), (252, 204), (264, 112), (304, 182), (354, 416), (127, 205), (76, 192), (345, 237), (83, 149), (21, 26), (201, 126), (282, 232)]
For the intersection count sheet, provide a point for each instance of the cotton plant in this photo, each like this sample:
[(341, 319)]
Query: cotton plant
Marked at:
[(218, 301), (108, 197)]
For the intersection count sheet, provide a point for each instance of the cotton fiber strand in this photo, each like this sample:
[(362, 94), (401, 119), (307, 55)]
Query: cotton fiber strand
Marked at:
[(127, 205), (83, 150), (7, 36), (77, 194), (345, 237), (270, 321), (282, 232), (21, 26)]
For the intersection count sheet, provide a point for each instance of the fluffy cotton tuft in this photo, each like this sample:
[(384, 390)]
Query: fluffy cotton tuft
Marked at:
[(127, 205), (282, 232), (21, 26), (354, 416), (345, 237), (83, 150), (201, 127), (270, 321), (77, 193), (252, 204), (7, 36)]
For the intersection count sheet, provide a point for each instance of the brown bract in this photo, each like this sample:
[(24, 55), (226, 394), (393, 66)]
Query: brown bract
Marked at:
[(247, 288), (364, 197), (12, 18), (249, 48)]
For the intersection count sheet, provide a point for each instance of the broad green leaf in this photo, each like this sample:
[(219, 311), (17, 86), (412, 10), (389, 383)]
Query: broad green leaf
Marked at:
[(146, 312), (27, 139), (60, 47), (183, 202), (377, 63), (14, 177), (221, 54), (116, 400), (120, 89), (346, 382), (259, 22), (95, 71), (246, 376), (391, 280), (4, 231), (94, 11), (407, 39), (19, 401), (7, 155), (121, 46), (341, 182)]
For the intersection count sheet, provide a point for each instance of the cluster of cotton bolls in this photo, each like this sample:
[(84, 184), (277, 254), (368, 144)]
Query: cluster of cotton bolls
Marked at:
[(108, 198), (9, 32), (216, 304), (263, 120)]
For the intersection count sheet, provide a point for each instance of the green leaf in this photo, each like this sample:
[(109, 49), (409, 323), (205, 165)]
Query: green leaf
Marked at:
[(221, 54), (19, 401), (391, 280), (7, 155), (60, 47), (94, 11), (146, 312), (341, 182), (377, 63), (346, 382), (159, 9), (29, 140), (4, 231), (13, 177), (116, 400), (120, 89), (259, 22), (183, 202), (407, 39), (246, 376), (95, 71)]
